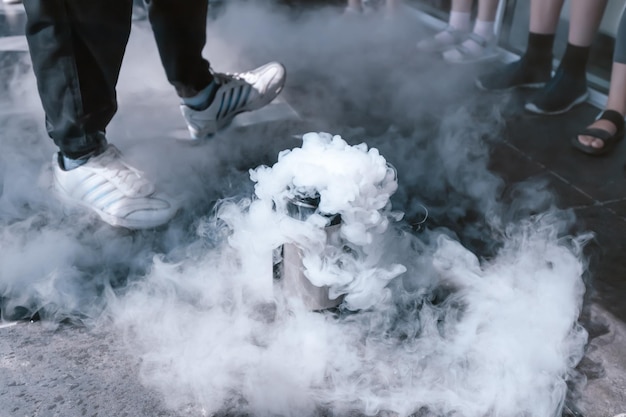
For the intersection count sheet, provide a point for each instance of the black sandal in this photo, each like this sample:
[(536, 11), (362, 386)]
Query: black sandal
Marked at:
[(609, 140)]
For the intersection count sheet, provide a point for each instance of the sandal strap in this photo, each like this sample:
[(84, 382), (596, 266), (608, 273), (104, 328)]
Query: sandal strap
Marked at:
[(478, 39), (464, 51), (614, 117), (608, 141), (458, 35), (596, 133)]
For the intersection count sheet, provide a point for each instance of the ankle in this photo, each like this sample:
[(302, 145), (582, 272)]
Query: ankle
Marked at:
[(69, 160), (575, 59), (538, 63), (202, 99), (484, 29), (460, 21), (68, 164)]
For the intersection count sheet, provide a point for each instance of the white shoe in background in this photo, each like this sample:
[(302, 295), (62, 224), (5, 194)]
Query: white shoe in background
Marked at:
[(118, 193)]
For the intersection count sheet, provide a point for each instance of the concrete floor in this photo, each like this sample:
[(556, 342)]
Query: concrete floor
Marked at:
[(371, 86)]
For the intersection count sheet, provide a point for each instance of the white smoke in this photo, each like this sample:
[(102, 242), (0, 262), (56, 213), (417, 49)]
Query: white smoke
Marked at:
[(500, 343), (352, 182), (434, 328)]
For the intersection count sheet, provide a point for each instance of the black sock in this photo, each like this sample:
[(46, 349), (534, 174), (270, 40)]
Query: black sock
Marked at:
[(575, 59), (539, 49)]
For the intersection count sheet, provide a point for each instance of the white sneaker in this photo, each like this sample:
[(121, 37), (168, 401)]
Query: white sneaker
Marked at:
[(11, 1), (117, 192), (236, 93)]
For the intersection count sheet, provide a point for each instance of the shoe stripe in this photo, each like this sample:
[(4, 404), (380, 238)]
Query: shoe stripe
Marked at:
[(104, 192), (231, 93), (235, 103), (90, 185), (244, 101), (219, 111), (117, 199)]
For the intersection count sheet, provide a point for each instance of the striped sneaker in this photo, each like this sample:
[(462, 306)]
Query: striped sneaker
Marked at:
[(235, 94), (117, 192)]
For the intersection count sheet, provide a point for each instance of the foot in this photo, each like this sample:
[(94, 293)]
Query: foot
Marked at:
[(518, 74), (561, 94), (118, 193), (442, 40), (594, 142), (235, 94), (602, 135), (474, 49)]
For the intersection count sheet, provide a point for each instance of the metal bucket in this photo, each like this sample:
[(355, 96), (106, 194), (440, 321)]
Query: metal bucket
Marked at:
[(289, 271)]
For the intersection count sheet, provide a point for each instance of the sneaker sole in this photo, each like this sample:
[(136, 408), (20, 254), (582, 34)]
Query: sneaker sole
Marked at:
[(107, 218), (533, 86), (531, 107), (475, 60)]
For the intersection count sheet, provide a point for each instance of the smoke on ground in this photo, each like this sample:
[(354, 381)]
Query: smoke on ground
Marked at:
[(429, 324)]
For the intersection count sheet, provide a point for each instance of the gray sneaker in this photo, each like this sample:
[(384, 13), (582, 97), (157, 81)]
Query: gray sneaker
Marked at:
[(236, 93)]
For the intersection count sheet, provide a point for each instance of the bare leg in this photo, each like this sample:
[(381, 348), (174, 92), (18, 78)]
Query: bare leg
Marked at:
[(617, 93), (544, 15), (617, 88), (485, 21), (460, 14), (464, 6), (585, 18), (487, 10), (459, 25), (616, 101)]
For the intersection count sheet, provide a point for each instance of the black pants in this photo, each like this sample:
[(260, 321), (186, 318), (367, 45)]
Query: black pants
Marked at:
[(77, 47)]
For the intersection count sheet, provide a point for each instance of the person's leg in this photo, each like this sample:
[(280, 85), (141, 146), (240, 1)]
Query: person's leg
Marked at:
[(209, 100), (616, 102), (487, 10), (481, 42), (568, 87), (533, 69), (461, 14), (76, 48), (544, 16), (585, 18), (179, 29), (459, 25)]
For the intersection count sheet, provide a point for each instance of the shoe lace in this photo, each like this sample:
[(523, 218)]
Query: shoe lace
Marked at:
[(224, 78), (115, 169)]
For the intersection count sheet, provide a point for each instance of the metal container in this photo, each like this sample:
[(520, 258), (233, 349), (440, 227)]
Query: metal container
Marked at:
[(289, 271)]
